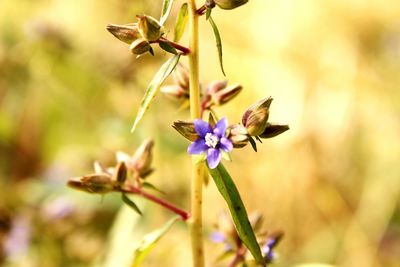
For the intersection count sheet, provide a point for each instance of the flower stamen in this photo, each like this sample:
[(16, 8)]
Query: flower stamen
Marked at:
[(211, 140)]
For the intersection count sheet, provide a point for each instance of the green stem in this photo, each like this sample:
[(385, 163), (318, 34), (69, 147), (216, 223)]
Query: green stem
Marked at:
[(196, 221)]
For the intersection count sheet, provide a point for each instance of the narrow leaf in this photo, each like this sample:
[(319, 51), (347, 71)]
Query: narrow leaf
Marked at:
[(229, 192), (154, 87), (217, 41), (166, 8), (149, 240), (152, 187), (181, 21), (131, 204), (167, 47)]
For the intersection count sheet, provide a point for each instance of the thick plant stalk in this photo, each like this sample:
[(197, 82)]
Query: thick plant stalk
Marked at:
[(196, 220)]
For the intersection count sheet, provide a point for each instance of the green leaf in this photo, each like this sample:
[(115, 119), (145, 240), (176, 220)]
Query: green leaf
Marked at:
[(149, 240), (181, 21), (167, 47), (131, 204), (154, 87), (166, 8), (229, 192), (217, 41)]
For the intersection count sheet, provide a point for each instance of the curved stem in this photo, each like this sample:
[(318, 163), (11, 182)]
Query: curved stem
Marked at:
[(159, 201), (196, 221)]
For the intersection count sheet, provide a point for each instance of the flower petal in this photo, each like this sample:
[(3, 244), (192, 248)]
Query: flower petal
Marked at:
[(213, 157), (220, 127), (225, 144), (197, 147), (202, 128)]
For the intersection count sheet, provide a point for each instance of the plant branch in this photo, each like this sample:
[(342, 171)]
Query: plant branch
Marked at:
[(169, 206), (181, 48)]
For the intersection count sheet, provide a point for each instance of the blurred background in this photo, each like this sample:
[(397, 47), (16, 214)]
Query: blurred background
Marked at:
[(69, 92)]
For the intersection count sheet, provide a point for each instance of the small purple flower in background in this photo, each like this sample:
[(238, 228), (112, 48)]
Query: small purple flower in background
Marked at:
[(212, 141)]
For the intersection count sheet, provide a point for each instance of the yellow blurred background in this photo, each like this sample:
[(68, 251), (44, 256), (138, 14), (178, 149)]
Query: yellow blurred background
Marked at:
[(69, 91)]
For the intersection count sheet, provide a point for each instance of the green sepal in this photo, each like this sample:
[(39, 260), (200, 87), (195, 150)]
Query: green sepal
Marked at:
[(253, 143), (155, 84), (229, 192), (131, 204), (149, 240)]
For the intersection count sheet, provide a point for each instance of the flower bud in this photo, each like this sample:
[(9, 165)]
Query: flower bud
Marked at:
[(181, 75), (230, 4), (256, 116), (174, 91), (93, 183), (186, 129), (139, 46), (125, 33), (225, 95), (238, 135), (216, 86), (143, 157), (149, 28), (273, 130)]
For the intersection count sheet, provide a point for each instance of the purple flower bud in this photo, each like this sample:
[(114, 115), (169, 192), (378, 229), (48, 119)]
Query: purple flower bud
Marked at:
[(238, 135)]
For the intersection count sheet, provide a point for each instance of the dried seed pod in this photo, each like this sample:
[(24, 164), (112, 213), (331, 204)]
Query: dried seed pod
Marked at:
[(149, 28), (186, 129), (230, 4), (181, 75), (140, 46), (226, 94), (143, 158), (174, 91), (273, 130), (120, 173), (93, 183), (125, 33), (256, 116)]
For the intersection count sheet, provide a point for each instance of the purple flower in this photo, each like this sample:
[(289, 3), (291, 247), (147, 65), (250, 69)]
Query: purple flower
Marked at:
[(211, 141)]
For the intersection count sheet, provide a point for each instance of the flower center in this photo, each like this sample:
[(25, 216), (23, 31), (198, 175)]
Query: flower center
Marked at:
[(211, 140)]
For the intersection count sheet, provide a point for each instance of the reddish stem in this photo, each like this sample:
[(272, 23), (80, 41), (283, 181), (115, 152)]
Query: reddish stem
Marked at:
[(239, 256), (181, 48), (135, 190)]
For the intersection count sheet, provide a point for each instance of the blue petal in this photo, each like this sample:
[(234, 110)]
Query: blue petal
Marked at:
[(220, 127), (217, 237), (225, 144), (197, 147), (202, 128), (213, 157)]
